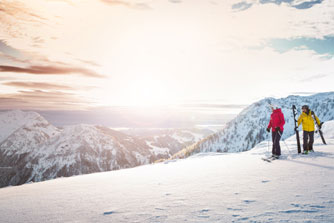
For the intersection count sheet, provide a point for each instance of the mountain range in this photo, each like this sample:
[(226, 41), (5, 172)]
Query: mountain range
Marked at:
[(31, 149)]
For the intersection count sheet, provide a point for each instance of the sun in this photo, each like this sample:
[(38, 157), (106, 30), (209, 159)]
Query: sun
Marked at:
[(145, 92), (135, 91)]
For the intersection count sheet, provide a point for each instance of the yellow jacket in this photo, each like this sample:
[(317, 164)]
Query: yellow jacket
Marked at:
[(307, 121)]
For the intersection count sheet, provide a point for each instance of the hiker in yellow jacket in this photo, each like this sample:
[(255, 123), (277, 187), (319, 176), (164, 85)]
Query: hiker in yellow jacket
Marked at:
[(306, 119)]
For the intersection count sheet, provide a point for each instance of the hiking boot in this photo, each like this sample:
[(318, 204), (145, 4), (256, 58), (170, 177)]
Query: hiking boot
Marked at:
[(275, 156)]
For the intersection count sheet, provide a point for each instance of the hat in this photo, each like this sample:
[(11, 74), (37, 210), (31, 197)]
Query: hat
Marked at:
[(305, 106), (274, 106)]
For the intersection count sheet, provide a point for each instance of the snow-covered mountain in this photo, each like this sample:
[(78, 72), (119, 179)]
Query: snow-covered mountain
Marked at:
[(31, 149), (171, 140), (249, 127), (207, 187)]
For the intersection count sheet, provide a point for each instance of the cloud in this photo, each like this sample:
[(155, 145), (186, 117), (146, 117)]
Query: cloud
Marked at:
[(314, 77), (89, 62), (14, 60), (7, 78), (304, 93), (37, 85), (220, 106), (14, 15), (44, 100), (175, 1), (50, 70), (138, 5), (6, 49), (19, 10)]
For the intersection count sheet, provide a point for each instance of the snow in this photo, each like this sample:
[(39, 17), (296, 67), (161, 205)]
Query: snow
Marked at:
[(206, 187), (187, 136), (157, 150), (13, 120)]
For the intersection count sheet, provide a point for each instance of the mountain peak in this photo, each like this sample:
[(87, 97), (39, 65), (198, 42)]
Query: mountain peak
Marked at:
[(14, 119)]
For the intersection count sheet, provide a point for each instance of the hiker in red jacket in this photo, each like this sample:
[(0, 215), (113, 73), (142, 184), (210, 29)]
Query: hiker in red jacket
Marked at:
[(276, 124)]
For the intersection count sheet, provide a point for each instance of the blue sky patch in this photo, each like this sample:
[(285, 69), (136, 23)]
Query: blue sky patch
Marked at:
[(304, 5), (277, 2), (241, 6), (320, 46), (307, 5)]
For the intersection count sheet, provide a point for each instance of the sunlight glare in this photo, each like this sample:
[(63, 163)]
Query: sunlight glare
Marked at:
[(144, 92)]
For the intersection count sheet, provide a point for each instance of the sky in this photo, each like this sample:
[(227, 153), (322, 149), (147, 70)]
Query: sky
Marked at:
[(99, 54)]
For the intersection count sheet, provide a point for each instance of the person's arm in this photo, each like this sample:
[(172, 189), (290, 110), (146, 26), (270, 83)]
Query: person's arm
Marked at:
[(269, 125), (300, 119), (282, 119), (316, 119)]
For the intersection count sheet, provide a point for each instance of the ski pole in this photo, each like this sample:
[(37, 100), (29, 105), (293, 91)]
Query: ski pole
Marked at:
[(285, 143), (268, 145)]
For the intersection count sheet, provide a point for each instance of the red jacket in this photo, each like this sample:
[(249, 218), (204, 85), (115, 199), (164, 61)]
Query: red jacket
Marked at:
[(276, 120)]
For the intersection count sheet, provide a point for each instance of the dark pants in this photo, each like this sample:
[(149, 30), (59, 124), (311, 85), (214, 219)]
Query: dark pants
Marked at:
[(308, 139), (276, 136)]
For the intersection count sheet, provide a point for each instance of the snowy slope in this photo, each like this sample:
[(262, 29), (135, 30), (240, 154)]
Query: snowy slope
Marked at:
[(249, 127), (31, 149), (207, 187)]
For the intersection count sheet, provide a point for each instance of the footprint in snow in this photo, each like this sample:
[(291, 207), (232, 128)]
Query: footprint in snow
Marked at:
[(203, 216), (296, 205), (159, 209), (234, 209), (298, 211), (243, 219), (317, 206), (265, 181), (249, 201), (308, 205), (158, 218), (202, 213), (204, 210), (109, 212)]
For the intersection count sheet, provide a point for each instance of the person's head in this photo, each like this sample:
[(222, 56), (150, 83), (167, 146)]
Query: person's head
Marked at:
[(305, 108), (273, 107)]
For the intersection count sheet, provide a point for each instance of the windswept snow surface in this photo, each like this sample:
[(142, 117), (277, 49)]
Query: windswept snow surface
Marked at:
[(207, 187)]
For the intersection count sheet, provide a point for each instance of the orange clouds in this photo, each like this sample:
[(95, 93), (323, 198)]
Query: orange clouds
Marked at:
[(50, 70), (37, 85), (44, 100)]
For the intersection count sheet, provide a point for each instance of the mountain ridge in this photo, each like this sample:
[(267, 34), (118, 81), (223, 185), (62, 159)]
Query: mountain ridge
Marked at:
[(31, 149), (249, 127)]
